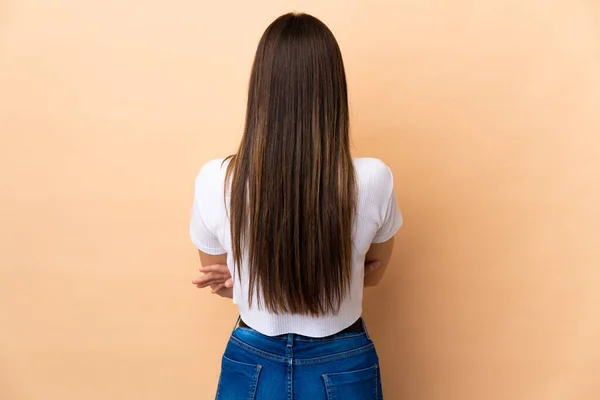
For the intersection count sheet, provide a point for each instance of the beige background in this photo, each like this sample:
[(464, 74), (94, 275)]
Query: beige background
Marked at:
[(487, 111)]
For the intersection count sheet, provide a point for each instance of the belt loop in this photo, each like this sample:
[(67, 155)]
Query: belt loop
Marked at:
[(237, 321), (365, 328)]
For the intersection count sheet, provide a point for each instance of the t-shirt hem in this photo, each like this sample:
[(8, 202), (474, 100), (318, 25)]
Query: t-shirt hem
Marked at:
[(213, 251), (386, 236), (277, 327)]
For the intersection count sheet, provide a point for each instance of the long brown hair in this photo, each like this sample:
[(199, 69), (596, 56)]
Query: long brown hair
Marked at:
[(293, 186)]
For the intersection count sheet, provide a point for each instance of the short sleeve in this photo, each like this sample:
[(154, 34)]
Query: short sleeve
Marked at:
[(392, 218), (202, 233)]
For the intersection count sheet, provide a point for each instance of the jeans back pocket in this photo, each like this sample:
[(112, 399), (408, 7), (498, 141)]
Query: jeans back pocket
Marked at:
[(353, 385), (237, 381)]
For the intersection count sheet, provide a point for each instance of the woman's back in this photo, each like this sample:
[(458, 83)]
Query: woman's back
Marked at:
[(294, 216), (376, 220)]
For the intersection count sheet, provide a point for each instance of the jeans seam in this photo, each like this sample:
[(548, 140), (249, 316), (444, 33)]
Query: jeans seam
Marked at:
[(315, 360), (290, 379), (256, 333), (289, 355), (246, 346), (333, 339), (255, 381), (377, 382), (300, 339), (328, 387), (337, 356)]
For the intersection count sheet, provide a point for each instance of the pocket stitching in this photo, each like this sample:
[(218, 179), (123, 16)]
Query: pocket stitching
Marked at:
[(328, 387), (240, 363), (356, 371), (255, 382)]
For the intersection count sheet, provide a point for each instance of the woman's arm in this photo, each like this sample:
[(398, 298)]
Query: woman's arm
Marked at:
[(382, 253), (219, 283), (217, 276)]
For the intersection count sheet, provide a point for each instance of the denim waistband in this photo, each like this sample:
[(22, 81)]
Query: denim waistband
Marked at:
[(302, 349), (356, 329)]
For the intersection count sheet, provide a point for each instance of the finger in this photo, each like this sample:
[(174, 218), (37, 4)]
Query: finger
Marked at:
[(220, 268), (229, 283), (212, 276), (211, 285), (206, 282), (216, 288)]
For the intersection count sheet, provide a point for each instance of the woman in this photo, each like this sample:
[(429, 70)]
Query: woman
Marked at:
[(295, 218)]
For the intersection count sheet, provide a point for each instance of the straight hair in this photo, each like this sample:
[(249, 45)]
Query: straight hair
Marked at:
[(293, 185)]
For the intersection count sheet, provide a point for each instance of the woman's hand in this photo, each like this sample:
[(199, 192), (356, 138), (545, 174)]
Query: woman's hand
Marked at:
[(371, 266), (216, 276)]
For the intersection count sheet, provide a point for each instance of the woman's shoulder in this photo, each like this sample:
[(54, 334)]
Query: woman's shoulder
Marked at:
[(212, 173), (374, 180), (372, 170), (214, 168)]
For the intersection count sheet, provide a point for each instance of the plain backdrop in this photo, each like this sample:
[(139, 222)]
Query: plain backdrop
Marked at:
[(488, 113)]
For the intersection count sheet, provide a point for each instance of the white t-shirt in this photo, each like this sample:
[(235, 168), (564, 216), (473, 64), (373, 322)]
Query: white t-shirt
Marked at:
[(377, 220)]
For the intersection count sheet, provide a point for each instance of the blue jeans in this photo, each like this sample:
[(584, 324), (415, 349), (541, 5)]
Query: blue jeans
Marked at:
[(294, 367)]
